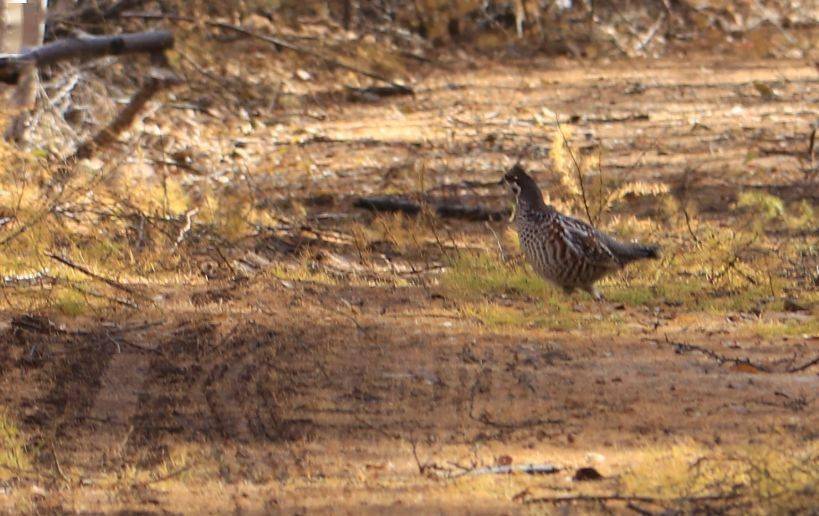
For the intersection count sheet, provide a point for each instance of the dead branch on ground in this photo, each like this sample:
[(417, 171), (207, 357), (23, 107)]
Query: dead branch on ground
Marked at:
[(156, 82), (681, 348), (278, 43), (84, 47), (442, 209), (628, 498), (804, 366), (528, 469), (108, 281)]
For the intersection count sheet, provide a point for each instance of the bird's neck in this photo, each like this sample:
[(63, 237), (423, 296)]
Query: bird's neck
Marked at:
[(528, 205)]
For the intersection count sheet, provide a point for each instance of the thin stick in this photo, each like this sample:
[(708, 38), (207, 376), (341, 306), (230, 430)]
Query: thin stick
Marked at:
[(278, 42), (169, 476), (112, 283), (626, 498), (122, 121), (579, 172), (681, 347), (804, 366), (57, 463), (119, 300)]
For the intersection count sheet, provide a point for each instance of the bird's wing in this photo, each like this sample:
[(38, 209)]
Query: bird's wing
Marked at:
[(588, 242)]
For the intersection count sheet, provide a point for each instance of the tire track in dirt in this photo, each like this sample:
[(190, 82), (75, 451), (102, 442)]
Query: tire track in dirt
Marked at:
[(109, 422), (243, 385)]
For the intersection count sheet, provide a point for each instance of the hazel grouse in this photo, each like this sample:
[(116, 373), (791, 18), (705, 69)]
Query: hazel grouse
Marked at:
[(564, 250)]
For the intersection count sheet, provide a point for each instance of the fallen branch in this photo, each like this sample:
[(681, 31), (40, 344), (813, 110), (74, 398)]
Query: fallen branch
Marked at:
[(804, 366), (156, 82), (528, 469), (627, 498), (443, 210), (17, 280), (517, 425), (108, 281), (87, 292), (85, 47), (278, 43), (681, 347)]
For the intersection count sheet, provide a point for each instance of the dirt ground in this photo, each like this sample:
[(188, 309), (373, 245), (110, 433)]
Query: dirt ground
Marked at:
[(315, 392)]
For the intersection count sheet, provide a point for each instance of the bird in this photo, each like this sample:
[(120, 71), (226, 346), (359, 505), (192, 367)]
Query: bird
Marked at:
[(564, 250)]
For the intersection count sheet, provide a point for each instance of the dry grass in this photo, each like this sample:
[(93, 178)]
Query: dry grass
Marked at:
[(779, 480)]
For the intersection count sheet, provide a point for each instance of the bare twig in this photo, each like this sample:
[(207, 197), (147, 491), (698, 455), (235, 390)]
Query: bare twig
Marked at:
[(119, 300), (443, 210), (651, 33), (125, 118), (688, 225), (278, 42), (681, 347), (108, 281), (804, 366), (57, 463), (577, 169), (528, 469), (187, 227), (168, 476), (627, 498), (16, 280), (497, 241)]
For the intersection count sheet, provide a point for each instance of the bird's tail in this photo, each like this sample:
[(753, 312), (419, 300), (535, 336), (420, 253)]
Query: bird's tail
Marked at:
[(629, 252)]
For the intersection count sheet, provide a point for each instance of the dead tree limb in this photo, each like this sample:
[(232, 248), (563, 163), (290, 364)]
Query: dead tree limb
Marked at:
[(278, 43), (125, 118), (627, 498), (804, 366), (445, 210), (682, 348), (85, 47), (108, 281), (528, 469)]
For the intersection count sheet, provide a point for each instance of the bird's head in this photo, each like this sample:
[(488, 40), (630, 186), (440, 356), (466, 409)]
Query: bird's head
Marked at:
[(522, 187)]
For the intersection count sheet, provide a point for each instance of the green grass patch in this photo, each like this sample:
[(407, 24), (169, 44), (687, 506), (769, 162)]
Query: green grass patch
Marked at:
[(70, 302), (540, 315), (474, 276)]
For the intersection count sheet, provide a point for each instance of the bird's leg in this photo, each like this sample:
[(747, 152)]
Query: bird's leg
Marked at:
[(592, 290)]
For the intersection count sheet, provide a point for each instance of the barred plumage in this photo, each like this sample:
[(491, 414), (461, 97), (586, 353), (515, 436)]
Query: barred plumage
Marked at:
[(564, 250)]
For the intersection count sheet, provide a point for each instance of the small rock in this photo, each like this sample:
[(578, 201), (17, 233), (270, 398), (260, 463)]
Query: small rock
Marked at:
[(587, 474), (504, 460), (792, 305)]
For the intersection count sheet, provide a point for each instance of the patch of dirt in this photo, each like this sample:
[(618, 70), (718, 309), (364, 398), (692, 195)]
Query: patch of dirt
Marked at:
[(297, 391)]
